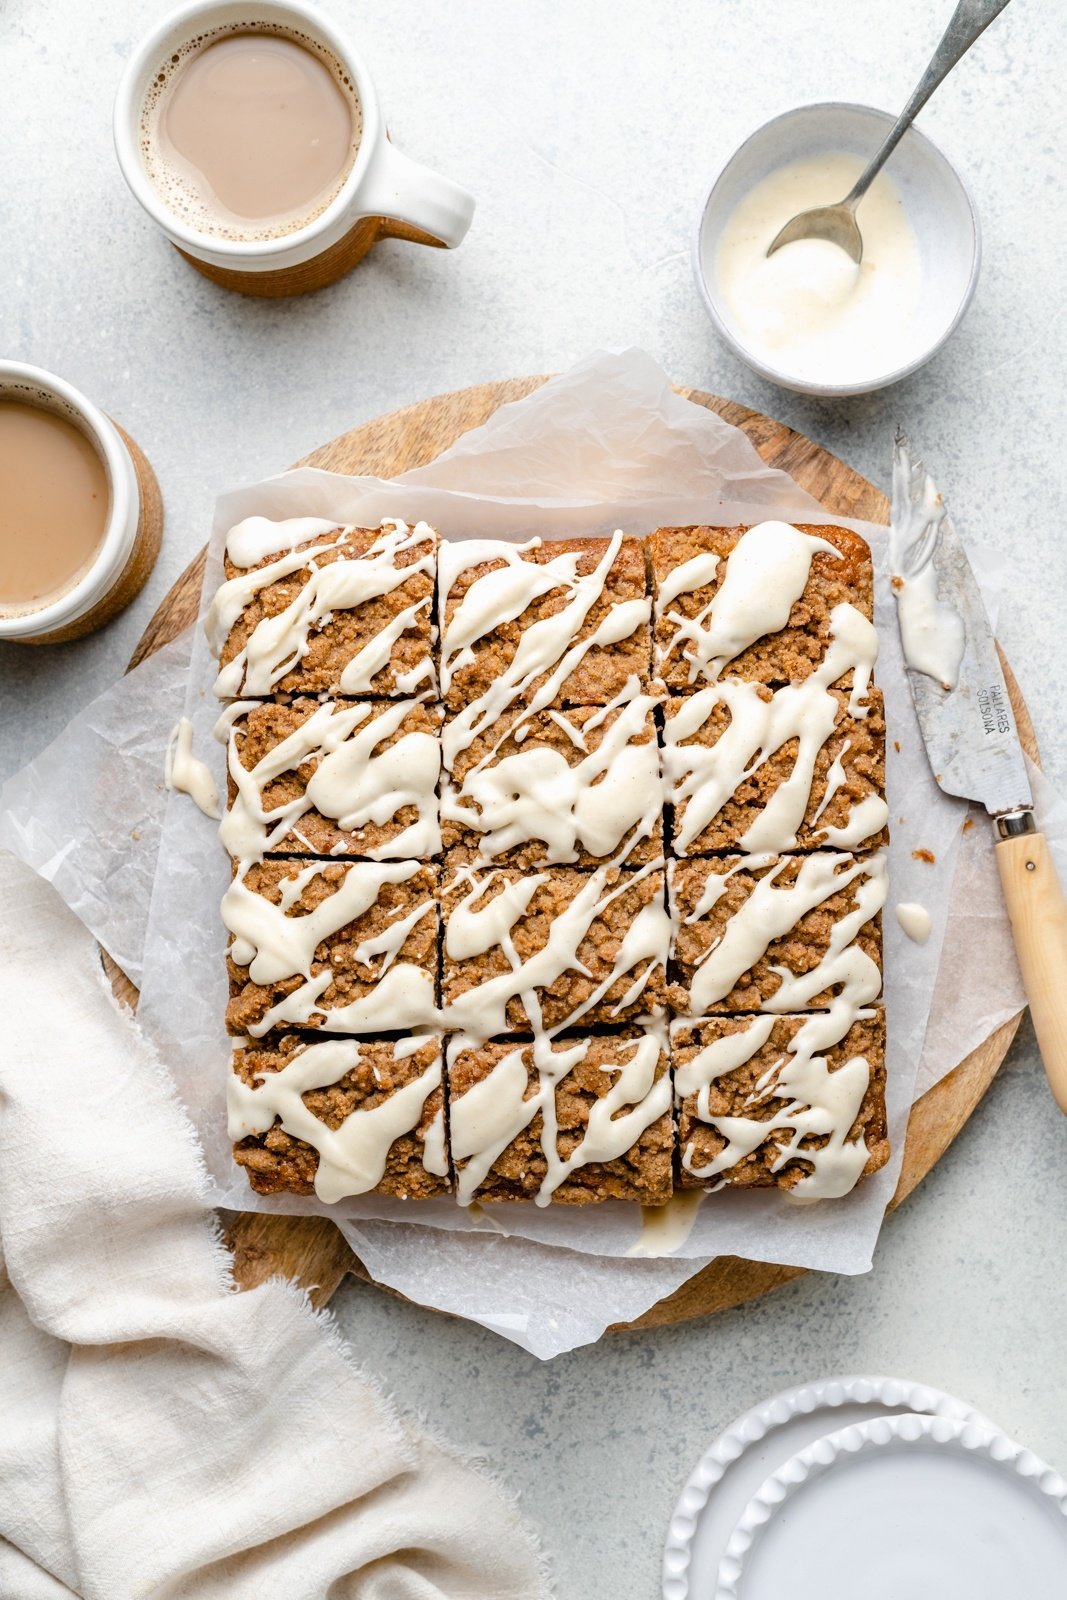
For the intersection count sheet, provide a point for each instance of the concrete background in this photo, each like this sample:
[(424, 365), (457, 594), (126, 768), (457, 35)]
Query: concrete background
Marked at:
[(588, 131)]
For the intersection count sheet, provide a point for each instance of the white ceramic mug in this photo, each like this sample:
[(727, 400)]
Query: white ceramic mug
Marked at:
[(128, 550), (384, 193)]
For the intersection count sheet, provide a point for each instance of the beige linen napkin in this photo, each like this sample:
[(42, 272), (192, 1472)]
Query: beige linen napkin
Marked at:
[(161, 1436)]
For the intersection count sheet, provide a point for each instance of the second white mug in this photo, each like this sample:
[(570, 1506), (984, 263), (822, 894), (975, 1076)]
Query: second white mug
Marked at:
[(385, 193)]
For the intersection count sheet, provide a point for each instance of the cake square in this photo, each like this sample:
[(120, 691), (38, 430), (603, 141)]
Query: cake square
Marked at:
[(347, 612), (576, 786), (776, 932), (339, 1117), (563, 622), (567, 1121), (553, 949), (754, 602), (347, 946), (333, 778), (754, 769), (797, 1102)]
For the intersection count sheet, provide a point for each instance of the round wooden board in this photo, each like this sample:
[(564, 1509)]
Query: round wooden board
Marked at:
[(310, 1250)]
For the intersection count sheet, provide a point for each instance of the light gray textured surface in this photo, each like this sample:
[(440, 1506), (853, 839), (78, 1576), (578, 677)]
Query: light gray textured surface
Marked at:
[(588, 131)]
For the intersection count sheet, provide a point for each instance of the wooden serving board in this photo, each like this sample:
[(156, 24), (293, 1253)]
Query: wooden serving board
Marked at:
[(310, 1249)]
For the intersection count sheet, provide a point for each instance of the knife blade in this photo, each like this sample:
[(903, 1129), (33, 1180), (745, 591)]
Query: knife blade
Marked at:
[(954, 672), (972, 743)]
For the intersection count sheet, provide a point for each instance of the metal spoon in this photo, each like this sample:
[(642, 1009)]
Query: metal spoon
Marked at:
[(838, 223)]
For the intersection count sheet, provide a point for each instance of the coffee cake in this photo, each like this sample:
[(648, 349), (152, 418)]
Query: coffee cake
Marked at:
[(334, 778), (339, 1117), (566, 1120), (792, 1101)]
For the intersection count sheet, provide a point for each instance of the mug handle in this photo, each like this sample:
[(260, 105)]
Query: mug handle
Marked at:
[(414, 202)]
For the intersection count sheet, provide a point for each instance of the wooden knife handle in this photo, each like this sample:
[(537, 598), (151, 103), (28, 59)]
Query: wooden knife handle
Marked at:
[(1038, 912)]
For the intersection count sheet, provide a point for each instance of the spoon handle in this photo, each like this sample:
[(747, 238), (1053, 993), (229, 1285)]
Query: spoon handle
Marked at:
[(970, 18)]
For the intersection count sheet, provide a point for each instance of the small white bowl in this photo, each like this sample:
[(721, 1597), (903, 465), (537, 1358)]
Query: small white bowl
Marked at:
[(938, 204)]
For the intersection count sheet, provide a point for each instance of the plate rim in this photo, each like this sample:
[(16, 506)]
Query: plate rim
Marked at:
[(972, 1435), (894, 1394)]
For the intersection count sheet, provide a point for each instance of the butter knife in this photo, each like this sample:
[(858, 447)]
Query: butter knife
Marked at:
[(968, 727)]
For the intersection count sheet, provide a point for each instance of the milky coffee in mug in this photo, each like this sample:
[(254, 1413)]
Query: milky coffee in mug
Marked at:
[(250, 135), (54, 505), (80, 511)]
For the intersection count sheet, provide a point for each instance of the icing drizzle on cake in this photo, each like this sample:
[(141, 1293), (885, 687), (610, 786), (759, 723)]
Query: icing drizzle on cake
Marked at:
[(479, 923), (487, 1117), (612, 793), (598, 793), (766, 574), (770, 912), (352, 1157), (277, 643), (354, 782), (810, 1102), (703, 778)]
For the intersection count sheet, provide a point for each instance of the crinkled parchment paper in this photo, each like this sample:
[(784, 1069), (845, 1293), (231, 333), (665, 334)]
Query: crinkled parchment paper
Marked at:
[(606, 445)]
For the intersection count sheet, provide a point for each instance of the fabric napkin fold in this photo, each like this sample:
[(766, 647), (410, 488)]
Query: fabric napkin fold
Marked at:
[(160, 1434)]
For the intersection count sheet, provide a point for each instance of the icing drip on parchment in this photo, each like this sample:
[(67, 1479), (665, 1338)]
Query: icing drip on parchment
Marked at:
[(352, 1157), (487, 1117), (548, 646), (766, 574), (915, 920), (274, 946), (703, 778), (612, 793), (814, 1102), (665, 1228), (472, 930), (770, 912), (353, 784), (278, 643), (185, 773)]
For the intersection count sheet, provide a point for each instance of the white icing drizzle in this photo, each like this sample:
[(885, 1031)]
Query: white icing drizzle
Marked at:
[(696, 573), (549, 646), (696, 1076), (604, 803), (481, 1012), (256, 538), (915, 920), (704, 778), (187, 774), (492, 1113), (351, 785), (435, 1152), (278, 643), (274, 946), (614, 793), (815, 1102), (664, 1229), (770, 912), (766, 574), (352, 1157), (931, 631)]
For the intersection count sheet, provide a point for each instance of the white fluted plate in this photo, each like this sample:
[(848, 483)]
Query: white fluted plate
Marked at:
[(902, 1506), (756, 1444)]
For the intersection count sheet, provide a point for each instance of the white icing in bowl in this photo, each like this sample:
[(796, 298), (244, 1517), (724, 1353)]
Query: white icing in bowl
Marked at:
[(939, 209)]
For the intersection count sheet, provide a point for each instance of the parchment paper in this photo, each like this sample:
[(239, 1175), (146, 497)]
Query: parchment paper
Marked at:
[(605, 445)]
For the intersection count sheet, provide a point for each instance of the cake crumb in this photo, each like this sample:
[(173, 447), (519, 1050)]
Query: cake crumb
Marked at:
[(924, 855), (968, 822)]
